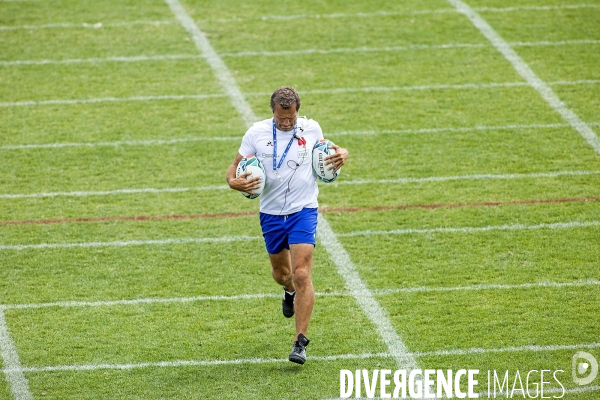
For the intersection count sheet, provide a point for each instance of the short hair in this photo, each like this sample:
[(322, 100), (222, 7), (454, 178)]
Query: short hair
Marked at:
[(285, 96)]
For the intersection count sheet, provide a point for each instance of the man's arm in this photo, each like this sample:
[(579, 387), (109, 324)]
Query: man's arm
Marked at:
[(241, 183)]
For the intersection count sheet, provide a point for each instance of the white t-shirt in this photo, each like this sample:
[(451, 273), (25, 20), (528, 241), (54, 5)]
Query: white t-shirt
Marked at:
[(296, 189)]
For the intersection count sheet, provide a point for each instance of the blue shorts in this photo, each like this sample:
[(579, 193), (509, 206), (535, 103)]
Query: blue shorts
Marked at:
[(280, 231)]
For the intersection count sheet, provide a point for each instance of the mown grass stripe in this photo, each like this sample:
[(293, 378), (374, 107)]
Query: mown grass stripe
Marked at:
[(374, 89), (19, 385), (240, 297), (118, 192), (527, 73), (193, 363)]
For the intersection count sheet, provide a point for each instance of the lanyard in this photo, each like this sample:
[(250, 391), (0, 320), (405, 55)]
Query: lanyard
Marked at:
[(275, 165)]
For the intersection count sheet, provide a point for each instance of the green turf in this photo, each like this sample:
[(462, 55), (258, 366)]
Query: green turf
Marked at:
[(394, 103)]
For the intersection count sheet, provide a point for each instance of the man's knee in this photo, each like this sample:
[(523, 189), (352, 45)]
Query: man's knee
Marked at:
[(302, 277), (281, 274)]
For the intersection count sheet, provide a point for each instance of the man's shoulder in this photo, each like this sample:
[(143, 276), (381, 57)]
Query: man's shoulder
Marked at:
[(309, 125), (260, 127)]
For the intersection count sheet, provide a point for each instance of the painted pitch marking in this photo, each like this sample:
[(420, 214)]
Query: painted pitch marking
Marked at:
[(527, 73), (187, 363), (322, 211), (225, 239), (19, 385), (118, 192)]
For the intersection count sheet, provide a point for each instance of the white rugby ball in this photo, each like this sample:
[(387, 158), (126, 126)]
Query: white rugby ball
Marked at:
[(254, 166), (320, 151)]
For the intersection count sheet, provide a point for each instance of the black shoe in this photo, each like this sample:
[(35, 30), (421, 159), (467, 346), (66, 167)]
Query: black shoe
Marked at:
[(287, 304), (298, 354)]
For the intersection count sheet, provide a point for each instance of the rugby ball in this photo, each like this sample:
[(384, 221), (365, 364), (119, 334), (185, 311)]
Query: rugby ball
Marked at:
[(320, 151), (254, 166)]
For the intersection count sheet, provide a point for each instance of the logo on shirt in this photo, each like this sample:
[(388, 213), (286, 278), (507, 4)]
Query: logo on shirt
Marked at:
[(270, 143), (302, 141)]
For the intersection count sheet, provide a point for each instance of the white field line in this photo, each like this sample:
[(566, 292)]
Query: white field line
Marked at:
[(467, 177), (402, 13), (363, 296), (514, 227), (248, 116), (527, 73), (188, 363), (103, 60), (401, 48), (109, 99), (161, 142), (171, 241), (127, 243), (168, 57), (119, 192), (223, 74), (259, 296), (155, 142), (296, 16), (13, 369), (116, 192), (95, 25)]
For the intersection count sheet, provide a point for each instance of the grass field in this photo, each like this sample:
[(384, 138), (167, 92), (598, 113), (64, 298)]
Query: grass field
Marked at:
[(464, 232)]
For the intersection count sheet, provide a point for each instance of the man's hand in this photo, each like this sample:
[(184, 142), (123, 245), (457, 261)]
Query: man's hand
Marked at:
[(245, 185), (335, 161)]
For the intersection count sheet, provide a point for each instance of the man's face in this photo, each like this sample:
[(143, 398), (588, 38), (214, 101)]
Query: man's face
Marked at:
[(285, 119)]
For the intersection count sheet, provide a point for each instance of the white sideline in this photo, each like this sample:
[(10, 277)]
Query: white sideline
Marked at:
[(400, 48), (187, 363), (155, 142), (103, 60), (515, 227), (297, 16), (363, 296), (404, 13), (159, 142), (290, 52), (328, 238), (96, 25), (111, 192), (527, 73), (108, 99), (216, 63), (118, 192), (226, 239), (465, 86), (13, 369), (126, 243), (419, 289)]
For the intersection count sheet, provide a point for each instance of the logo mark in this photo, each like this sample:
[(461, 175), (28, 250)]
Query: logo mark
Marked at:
[(581, 368), (270, 144)]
